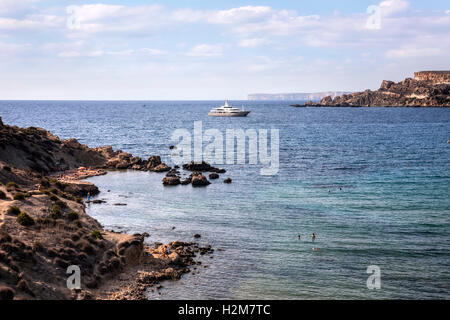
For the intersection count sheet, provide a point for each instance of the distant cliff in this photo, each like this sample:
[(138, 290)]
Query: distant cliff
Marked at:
[(294, 96), (427, 89)]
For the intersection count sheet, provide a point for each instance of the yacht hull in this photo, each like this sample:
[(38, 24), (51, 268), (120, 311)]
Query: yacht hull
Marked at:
[(229, 114)]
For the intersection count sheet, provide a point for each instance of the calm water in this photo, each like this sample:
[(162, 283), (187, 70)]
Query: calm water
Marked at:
[(393, 211)]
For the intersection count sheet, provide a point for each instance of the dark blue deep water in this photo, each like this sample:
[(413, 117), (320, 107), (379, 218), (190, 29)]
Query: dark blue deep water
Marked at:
[(372, 183)]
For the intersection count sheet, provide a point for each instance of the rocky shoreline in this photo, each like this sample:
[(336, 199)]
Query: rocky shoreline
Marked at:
[(44, 227), (426, 89)]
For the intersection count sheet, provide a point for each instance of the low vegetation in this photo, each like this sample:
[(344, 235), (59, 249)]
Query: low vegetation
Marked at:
[(24, 219), (19, 196), (11, 186), (72, 216), (13, 210), (96, 234), (55, 212)]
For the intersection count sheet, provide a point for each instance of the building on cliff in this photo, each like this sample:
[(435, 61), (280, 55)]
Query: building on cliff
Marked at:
[(435, 77)]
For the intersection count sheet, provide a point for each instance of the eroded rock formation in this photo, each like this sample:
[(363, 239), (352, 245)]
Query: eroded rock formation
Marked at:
[(427, 89)]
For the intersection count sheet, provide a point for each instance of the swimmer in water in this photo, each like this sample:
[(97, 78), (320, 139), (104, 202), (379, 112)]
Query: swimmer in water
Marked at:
[(313, 237), (299, 236)]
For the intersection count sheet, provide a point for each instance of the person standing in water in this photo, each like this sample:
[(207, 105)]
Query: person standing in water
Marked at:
[(313, 237)]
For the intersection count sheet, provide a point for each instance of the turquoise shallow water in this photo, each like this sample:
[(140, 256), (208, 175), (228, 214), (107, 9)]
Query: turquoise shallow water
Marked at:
[(372, 184)]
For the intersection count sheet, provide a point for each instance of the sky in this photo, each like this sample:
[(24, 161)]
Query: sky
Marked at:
[(211, 50)]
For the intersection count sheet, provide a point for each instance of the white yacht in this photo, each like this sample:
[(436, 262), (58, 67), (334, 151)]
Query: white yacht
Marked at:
[(228, 111)]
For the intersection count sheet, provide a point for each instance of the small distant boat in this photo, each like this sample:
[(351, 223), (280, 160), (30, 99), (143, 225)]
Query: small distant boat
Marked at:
[(228, 111)]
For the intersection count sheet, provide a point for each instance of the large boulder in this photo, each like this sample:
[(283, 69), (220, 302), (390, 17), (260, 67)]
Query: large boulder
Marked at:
[(171, 181), (213, 175), (188, 180), (199, 180), (160, 168), (81, 188), (202, 167), (73, 143), (153, 162)]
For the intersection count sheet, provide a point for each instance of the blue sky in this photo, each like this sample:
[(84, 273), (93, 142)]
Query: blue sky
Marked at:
[(214, 49)]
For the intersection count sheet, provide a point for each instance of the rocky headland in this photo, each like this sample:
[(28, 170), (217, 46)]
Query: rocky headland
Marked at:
[(44, 227), (426, 89)]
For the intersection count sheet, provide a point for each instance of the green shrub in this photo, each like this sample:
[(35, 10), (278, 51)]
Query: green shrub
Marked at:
[(61, 185), (72, 216), (2, 195), (24, 219), (55, 212), (37, 246), (44, 182), (54, 198), (61, 203), (19, 196), (77, 223), (13, 210), (53, 190), (10, 186), (96, 234)]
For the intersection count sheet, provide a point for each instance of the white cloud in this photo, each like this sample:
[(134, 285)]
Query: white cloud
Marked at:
[(253, 42), (206, 50), (81, 51), (230, 16), (153, 52), (31, 22), (8, 7), (390, 7), (102, 17), (413, 53), (12, 49), (77, 54)]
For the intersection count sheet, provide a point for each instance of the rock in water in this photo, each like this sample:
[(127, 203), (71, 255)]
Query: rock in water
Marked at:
[(153, 162), (227, 180), (171, 181), (199, 180), (186, 181), (202, 167), (213, 175), (161, 168)]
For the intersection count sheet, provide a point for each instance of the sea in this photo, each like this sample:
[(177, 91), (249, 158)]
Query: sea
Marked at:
[(373, 185)]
